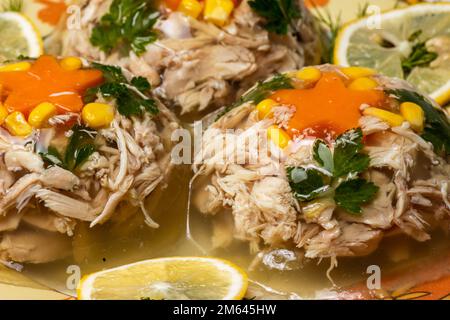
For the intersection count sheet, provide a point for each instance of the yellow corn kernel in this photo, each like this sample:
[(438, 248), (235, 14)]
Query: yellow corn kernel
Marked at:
[(393, 119), (191, 8), (218, 11), (315, 208), (39, 116), (3, 113), (71, 63), (265, 107), (362, 84), (278, 136), (97, 115), (20, 66), (414, 114), (358, 72), (17, 125), (309, 74)]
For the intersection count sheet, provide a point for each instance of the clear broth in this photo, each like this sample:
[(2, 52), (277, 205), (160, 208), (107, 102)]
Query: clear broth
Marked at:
[(112, 245)]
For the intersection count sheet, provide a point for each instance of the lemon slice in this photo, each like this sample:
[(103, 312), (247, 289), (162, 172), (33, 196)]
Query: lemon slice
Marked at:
[(18, 37), (180, 278), (386, 41)]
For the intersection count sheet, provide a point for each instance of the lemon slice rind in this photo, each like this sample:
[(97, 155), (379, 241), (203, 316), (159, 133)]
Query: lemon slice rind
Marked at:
[(390, 65), (236, 276), (27, 31)]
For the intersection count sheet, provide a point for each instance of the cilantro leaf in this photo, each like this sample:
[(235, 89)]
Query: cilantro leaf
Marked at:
[(347, 154), (127, 26), (306, 183), (322, 154), (352, 194), (437, 126), (116, 86), (279, 14)]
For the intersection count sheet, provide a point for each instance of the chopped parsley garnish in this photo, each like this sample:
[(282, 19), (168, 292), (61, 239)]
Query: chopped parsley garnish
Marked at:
[(437, 126), (338, 174), (127, 26), (261, 91), (129, 95), (350, 195), (80, 147), (347, 156), (307, 183), (278, 14)]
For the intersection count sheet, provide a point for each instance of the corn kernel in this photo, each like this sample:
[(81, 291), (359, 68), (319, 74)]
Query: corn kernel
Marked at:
[(17, 124), (309, 74), (71, 63), (3, 113), (218, 11), (358, 72), (393, 119), (20, 66), (362, 84), (414, 114), (278, 136), (39, 116), (97, 115), (191, 8), (265, 107)]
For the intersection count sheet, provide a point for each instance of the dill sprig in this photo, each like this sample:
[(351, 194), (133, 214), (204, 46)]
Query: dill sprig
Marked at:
[(332, 25), (12, 5), (363, 10)]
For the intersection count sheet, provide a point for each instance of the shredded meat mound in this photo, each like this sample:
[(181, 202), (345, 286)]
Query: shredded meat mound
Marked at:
[(41, 204), (196, 65), (253, 202)]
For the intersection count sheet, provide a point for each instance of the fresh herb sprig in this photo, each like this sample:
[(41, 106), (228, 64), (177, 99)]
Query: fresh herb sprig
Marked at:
[(261, 91), (116, 86), (437, 126), (419, 56), (127, 26), (80, 147), (331, 25), (337, 174), (279, 14), (12, 6)]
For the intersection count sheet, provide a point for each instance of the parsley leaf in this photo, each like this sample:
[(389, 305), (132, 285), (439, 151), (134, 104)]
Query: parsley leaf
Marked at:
[(110, 73), (352, 194), (347, 154), (261, 91), (322, 154), (437, 126), (127, 26), (116, 86), (140, 83), (264, 89), (80, 147), (52, 157), (279, 14), (307, 184)]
